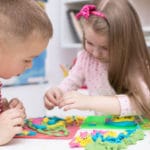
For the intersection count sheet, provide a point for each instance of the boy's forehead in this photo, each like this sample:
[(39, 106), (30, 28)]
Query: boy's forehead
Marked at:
[(33, 56)]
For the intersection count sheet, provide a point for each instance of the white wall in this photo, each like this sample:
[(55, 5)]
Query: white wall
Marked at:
[(143, 9)]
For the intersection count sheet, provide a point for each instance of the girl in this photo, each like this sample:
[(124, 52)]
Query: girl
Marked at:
[(25, 30), (115, 64)]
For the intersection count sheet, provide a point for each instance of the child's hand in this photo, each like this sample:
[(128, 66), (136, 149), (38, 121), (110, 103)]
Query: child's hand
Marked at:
[(5, 104), (16, 103), (11, 122), (75, 100), (52, 97)]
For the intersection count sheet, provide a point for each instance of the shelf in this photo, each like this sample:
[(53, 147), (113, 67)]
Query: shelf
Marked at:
[(148, 43), (72, 45), (67, 35), (146, 29), (76, 1), (68, 38)]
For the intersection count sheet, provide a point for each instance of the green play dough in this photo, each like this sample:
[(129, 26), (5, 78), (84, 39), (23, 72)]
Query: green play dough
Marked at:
[(99, 145)]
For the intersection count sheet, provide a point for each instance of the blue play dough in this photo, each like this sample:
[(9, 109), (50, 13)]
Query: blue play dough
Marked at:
[(122, 124)]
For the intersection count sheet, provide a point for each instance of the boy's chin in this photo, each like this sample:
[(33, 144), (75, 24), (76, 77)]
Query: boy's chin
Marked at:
[(10, 77)]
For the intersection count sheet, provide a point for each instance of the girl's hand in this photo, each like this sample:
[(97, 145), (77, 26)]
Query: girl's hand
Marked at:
[(75, 100), (16, 103), (11, 122), (52, 97)]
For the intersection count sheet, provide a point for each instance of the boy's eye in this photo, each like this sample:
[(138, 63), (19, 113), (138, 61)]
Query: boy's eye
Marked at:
[(28, 61)]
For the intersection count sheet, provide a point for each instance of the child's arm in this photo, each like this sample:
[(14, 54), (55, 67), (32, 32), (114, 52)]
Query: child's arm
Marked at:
[(105, 104), (116, 105), (73, 81)]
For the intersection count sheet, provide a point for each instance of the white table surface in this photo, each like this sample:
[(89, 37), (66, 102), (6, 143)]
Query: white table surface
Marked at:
[(50, 144)]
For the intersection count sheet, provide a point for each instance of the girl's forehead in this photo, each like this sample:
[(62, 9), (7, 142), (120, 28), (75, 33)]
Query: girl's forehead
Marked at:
[(89, 29), (99, 37)]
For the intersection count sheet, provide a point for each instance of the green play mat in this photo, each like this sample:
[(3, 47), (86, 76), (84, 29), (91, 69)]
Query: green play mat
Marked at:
[(98, 122)]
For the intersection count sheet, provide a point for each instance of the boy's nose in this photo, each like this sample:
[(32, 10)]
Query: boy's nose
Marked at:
[(28, 66)]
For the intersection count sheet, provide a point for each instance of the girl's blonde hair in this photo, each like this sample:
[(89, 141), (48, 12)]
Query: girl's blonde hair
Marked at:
[(129, 56), (20, 18)]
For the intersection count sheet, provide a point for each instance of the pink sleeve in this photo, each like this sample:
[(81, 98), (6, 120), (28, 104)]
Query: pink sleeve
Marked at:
[(75, 78), (125, 105)]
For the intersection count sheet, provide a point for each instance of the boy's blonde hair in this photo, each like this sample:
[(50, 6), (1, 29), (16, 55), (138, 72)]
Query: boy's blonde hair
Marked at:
[(20, 18), (129, 56)]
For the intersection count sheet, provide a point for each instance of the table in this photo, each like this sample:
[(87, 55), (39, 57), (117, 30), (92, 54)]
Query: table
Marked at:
[(46, 144)]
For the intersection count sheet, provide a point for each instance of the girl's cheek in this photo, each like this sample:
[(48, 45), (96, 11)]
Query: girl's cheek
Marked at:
[(89, 49)]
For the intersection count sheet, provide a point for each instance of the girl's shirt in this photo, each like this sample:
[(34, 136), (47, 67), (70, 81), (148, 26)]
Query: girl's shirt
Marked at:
[(91, 72), (94, 74)]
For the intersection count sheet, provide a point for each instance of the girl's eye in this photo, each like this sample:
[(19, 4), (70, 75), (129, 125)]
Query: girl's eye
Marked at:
[(104, 48), (89, 42)]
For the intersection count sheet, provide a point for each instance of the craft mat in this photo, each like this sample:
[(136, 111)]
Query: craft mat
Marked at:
[(72, 131), (98, 122)]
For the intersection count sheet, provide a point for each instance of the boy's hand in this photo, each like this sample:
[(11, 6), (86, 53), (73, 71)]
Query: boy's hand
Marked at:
[(11, 122), (16, 103), (5, 104), (52, 97)]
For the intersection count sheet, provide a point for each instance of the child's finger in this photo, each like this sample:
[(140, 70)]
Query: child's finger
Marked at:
[(5, 104), (48, 104), (24, 113), (19, 106), (14, 113), (14, 102), (58, 94), (51, 99), (17, 129), (65, 102), (18, 122), (68, 107)]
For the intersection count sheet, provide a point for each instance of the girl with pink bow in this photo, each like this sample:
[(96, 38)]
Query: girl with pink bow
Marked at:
[(114, 64)]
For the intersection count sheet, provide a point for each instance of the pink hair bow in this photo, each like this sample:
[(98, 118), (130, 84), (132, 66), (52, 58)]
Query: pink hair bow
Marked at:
[(88, 10)]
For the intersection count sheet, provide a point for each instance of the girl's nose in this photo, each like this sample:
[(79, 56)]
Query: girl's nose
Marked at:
[(96, 51)]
